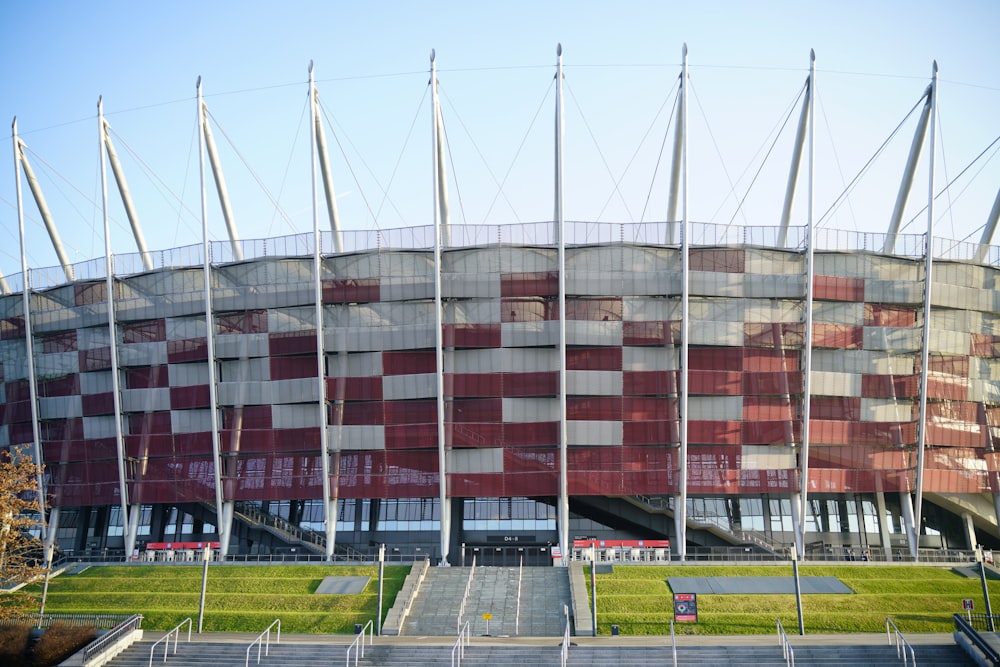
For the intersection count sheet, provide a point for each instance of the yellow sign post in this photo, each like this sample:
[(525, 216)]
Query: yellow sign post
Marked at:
[(486, 617)]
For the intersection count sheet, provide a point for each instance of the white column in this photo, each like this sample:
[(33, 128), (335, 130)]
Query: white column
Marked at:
[(680, 511), (562, 513)]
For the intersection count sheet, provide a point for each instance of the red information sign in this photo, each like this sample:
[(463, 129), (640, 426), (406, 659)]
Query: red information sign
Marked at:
[(967, 604), (685, 607)]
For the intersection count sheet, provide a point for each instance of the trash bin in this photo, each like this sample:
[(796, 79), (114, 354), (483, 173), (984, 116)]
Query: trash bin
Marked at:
[(357, 628), (614, 630)]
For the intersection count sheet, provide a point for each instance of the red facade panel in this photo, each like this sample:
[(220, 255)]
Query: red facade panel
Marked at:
[(635, 408), (946, 387), (771, 432), (354, 388), (351, 290), (67, 385), (147, 377), (529, 283), (187, 350), (247, 322), (486, 385), (531, 434), (836, 408), (759, 359), (766, 408), (474, 435), (957, 435), (472, 335), (150, 422), (148, 331), (715, 383), (882, 315), (291, 343), (12, 328), (834, 288), (757, 384), (773, 334), (838, 336), (722, 432), (409, 362), (529, 309), (64, 341), (85, 294), (594, 408), (606, 309), (62, 430), (94, 405), (594, 359), (724, 260), (188, 398), (890, 386), (650, 383), (411, 436), (363, 413), (984, 345), (293, 368), (98, 359), (249, 417), (468, 410), (651, 333), (663, 432), (415, 411), (515, 385)]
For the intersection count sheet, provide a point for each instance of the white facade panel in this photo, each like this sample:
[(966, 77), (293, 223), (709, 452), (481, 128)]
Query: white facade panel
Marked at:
[(470, 286), (715, 408), (714, 283), (479, 311), (60, 407), (475, 361), (406, 289), (722, 334), (594, 433), (773, 262), (520, 410), (595, 334), (142, 354), (773, 287), (839, 312), (355, 437), (650, 359), (182, 328), (887, 410), (241, 370), (99, 428), (191, 421), (894, 339), (471, 261), (529, 334), (241, 346), (594, 383), (187, 375), (56, 363), (92, 338), (950, 342), (986, 391), (245, 393), (527, 260), (764, 457), (827, 383), (644, 309), (284, 320), (894, 291), (302, 390), (98, 382), (474, 461), (528, 360), (357, 364), (145, 400), (300, 415), (403, 387)]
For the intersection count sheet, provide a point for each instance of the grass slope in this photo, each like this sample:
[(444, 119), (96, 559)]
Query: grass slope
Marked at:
[(919, 599), (238, 598)]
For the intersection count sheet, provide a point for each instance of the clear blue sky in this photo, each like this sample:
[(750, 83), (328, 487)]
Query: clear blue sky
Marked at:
[(748, 61)]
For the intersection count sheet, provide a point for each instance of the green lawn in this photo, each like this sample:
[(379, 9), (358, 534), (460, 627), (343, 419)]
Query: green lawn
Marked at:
[(919, 599), (238, 598)]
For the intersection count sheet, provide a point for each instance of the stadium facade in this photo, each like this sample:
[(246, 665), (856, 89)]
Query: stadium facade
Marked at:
[(511, 388)]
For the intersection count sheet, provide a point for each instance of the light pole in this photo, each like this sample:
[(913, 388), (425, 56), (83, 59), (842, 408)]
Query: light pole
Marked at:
[(798, 589), (381, 569), (204, 587), (593, 587)]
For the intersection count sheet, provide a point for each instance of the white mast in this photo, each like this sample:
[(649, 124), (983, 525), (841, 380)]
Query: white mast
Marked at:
[(129, 532), (680, 512), (440, 221), (43, 207), (224, 509), (562, 513), (319, 142), (133, 218), (908, 172), (29, 339), (329, 502), (793, 172), (803, 508), (220, 181), (925, 350)]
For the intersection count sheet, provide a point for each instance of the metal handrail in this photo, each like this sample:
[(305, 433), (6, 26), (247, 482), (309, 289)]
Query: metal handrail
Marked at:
[(787, 652), (95, 648), (176, 632), (458, 650), (970, 633), (564, 647), (673, 642), (900, 642), (465, 597), (358, 645), (260, 641), (517, 614)]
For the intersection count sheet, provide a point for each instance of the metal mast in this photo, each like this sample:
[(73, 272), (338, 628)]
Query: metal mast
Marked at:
[(319, 142), (908, 172), (925, 350), (43, 207), (562, 514), (440, 221), (133, 218), (329, 503), (29, 339), (129, 533), (220, 181), (224, 509), (807, 334), (793, 172), (680, 512)]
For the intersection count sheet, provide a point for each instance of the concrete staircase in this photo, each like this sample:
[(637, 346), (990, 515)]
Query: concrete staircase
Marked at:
[(526, 602)]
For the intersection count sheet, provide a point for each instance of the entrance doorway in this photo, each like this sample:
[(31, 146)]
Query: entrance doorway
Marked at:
[(507, 556)]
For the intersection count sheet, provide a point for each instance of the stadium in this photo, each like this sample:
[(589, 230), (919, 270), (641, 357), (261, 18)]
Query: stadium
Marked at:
[(510, 390)]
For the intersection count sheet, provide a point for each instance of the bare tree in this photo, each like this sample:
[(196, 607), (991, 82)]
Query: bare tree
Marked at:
[(21, 552)]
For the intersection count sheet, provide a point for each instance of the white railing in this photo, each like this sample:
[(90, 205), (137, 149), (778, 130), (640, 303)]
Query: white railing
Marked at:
[(786, 646), (902, 646), (564, 647), (176, 632), (673, 642), (517, 614), (263, 641), (465, 597), (458, 651), (358, 645)]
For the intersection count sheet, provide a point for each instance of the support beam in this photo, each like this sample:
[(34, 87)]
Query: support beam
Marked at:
[(133, 218), (324, 163), (43, 207), (797, 149), (220, 181), (908, 172), (988, 231), (562, 509)]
